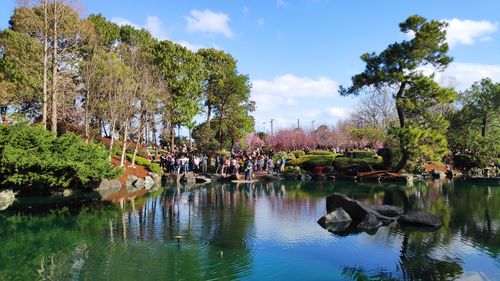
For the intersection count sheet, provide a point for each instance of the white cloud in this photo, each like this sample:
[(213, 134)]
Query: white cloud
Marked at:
[(462, 75), (280, 3), (261, 22), (338, 112), (289, 85), (155, 26), (209, 22), (467, 73), (124, 21), (468, 31)]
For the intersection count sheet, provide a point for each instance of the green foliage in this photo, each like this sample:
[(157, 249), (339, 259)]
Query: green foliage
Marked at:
[(153, 167), (293, 170), (20, 68), (342, 162), (360, 154), (310, 161), (31, 155), (397, 67), (320, 152), (475, 127), (298, 153), (466, 161), (391, 156), (107, 32), (282, 154)]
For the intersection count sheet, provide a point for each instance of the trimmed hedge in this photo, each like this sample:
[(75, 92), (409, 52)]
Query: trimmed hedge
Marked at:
[(310, 161), (375, 161), (320, 152), (359, 154), (298, 153)]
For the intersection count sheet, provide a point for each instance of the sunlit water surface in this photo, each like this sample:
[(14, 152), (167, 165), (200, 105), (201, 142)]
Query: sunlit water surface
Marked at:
[(264, 231)]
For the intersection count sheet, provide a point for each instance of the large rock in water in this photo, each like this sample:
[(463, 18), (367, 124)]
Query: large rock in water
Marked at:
[(354, 208), (370, 221), (339, 215), (109, 184), (335, 221), (421, 218), (388, 210), (148, 182), (188, 178), (7, 197)]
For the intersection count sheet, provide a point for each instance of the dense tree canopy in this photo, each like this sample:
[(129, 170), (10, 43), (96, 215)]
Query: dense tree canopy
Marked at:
[(398, 67)]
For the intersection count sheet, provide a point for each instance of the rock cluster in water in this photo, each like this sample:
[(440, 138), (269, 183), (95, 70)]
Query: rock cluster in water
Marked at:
[(345, 215)]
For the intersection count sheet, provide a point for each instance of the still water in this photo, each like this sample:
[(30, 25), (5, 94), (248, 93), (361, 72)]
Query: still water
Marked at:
[(264, 231)]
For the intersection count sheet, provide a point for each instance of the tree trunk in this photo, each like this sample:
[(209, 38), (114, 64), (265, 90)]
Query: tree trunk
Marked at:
[(220, 131), (190, 141), (209, 111), (124, 147), (172, 133), (54, 71), (112, 140), (153, 129), (402, 124), (87, 133), (139, 137), (45, 63), (483, 129)]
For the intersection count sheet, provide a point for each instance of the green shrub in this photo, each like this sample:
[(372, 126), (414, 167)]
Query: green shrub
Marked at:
[(342, 162), (282, 154), (298, 153), (293, 170), (33, 156), (297, 162), (320, 152), (360, 154), (466, 161), (391, 156), (153, 167)]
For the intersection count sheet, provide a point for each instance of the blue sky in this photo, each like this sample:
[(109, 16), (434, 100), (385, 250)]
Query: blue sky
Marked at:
[(297, 52)]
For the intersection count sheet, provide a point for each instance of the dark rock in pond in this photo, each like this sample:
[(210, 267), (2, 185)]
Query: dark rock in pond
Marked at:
[(388, 210), (420, 218), (203, 180), (319, 177), (354, 208), (188, 177), (438, 174), (232, 178), (338, 215), (370, 221), (305, 177), (7, 197), (216, 177), (291, 176), (338, 226), (270, 178)]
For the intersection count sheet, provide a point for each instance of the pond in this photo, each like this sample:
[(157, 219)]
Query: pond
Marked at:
[(260, 231)]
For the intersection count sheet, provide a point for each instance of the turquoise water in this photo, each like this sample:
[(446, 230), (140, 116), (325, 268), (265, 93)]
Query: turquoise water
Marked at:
[(254, 232)]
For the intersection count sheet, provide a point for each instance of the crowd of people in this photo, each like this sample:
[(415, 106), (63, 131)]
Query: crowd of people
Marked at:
[(232, 163)]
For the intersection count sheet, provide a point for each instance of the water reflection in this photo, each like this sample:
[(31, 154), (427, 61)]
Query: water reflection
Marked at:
[(256, 232)]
